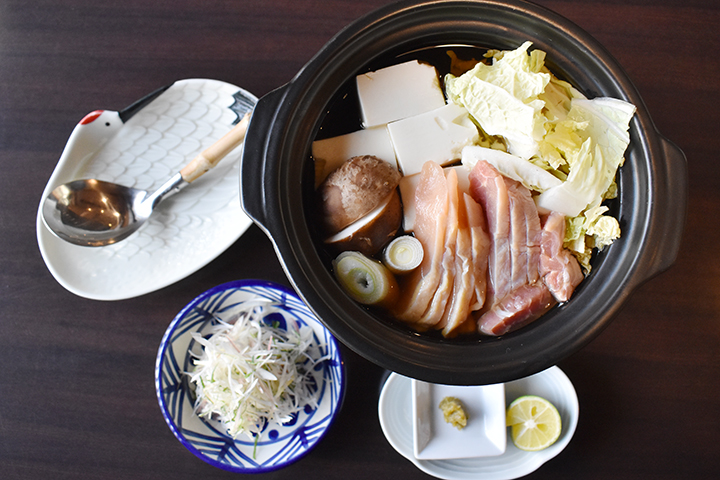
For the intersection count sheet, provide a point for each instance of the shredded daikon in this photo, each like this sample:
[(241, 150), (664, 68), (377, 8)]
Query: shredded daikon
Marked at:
[(252, 373)]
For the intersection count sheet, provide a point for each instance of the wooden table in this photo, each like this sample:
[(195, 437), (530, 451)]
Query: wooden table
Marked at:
[(77, 398)]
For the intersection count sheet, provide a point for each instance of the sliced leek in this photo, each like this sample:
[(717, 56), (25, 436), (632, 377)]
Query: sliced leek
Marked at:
[(251, 373), (366, 280), (403, 255)]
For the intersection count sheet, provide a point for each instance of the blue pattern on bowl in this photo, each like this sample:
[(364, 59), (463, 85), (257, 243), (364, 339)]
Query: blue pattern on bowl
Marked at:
[(279, 445)]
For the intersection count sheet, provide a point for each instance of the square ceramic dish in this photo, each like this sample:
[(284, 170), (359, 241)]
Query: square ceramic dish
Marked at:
[(485, 434)]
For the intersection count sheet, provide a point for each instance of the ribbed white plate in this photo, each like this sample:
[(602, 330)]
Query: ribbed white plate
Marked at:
[(188, 230), (395, 412)]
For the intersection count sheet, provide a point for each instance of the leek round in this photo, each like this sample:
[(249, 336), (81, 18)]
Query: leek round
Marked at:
[(366, 280), (403, 255)]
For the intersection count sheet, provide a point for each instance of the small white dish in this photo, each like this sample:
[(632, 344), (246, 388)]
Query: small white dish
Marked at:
[(142, 146), (396, 421), (485, 434)]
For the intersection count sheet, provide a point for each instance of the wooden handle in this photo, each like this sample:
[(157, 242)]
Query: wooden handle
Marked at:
[(212, 155)]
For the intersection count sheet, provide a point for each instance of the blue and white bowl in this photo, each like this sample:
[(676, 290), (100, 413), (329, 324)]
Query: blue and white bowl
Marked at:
[(279, 444)]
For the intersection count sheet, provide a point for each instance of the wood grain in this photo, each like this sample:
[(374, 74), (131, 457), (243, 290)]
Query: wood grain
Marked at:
[(77, 398)]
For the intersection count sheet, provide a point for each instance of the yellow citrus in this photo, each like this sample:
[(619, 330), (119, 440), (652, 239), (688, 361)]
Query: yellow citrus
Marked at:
[(535, 423)]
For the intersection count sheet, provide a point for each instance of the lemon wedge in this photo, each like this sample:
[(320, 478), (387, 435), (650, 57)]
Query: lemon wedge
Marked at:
[(535, 423)]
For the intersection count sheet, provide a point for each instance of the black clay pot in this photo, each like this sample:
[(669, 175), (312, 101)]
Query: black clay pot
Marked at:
[(277, 187)]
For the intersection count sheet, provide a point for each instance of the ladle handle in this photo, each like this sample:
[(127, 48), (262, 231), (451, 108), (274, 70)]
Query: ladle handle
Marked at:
[(212, 155)]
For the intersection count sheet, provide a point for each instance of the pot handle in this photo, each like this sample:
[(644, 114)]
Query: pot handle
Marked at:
[(671, 199), (255, 165)]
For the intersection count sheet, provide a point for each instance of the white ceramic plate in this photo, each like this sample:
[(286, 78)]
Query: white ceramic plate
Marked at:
[(395, 412), (143, 146), (483, 436)]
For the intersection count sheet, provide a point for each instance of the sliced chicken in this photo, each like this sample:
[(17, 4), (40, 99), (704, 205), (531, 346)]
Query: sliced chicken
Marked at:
[(559, 269), (518, 294), (525, 235), (490, 264), (431, 203), (444, 292), (480, 250), (517, 309), (457, 310), (488, 188)]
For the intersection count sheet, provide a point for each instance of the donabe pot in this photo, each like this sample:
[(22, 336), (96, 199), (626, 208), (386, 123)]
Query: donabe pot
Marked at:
[(277, 187)]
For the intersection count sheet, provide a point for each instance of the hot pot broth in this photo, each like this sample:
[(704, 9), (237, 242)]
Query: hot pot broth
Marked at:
[(343, 112), (343, 116)]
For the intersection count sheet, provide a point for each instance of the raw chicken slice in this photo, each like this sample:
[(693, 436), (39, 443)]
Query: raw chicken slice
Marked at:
[(525, 235), (438, 304), (471, 287), (431, 204), (488, 188), (517, 309), (558, 267), (517, 295), (480, 250), (458, 308)]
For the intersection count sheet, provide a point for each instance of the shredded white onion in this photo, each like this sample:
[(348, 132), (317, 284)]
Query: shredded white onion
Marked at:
[(251, 373)]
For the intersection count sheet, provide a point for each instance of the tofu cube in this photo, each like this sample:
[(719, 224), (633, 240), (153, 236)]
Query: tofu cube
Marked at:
[(438, 135), (398, 92)]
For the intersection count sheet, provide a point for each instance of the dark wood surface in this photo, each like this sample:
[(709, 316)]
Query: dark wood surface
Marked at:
[(76, 376)]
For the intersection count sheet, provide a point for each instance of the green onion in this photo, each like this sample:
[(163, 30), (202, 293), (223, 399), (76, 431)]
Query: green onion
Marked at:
[(366, 280), (403, 255)]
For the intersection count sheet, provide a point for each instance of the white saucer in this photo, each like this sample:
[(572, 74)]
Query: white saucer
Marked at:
[(395, 412), (142, 148)]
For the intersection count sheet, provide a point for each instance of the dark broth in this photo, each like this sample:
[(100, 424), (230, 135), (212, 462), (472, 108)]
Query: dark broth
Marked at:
[(343, 111), (343, 116)]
